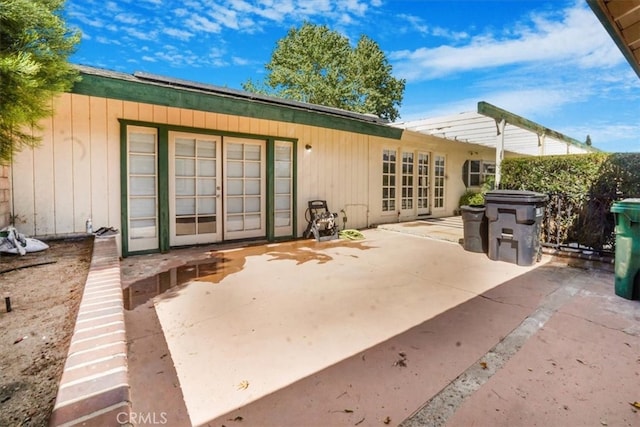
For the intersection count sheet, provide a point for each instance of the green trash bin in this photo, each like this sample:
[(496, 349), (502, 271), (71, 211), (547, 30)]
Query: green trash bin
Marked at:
[(627, 257)]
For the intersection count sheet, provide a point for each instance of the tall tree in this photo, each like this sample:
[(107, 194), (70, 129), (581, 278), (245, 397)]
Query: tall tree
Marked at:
[(34, 48), (317, 65)]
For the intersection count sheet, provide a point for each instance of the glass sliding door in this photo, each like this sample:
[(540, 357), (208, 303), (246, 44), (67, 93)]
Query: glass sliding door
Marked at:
[(244, 185), (194, 188), (142, 188)]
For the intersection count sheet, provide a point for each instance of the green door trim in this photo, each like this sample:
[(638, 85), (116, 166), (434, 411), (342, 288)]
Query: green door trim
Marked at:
[(163, 180)]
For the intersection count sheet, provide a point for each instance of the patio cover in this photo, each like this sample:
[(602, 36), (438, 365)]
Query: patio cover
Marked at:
[(494, 127)]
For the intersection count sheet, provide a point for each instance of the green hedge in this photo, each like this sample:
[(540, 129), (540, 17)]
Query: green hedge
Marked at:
[(581, 189)]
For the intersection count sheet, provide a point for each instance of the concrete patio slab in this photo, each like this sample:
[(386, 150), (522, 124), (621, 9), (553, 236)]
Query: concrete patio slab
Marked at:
[(581, 368), (364, 333), (271, 315)]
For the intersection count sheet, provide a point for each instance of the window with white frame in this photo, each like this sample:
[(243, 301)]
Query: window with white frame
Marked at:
[(476, 172)]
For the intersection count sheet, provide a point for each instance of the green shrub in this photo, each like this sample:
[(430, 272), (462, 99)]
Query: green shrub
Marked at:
[(581, 189), (471, 198)]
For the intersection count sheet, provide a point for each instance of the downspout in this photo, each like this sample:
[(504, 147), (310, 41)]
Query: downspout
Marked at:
[(500, 125)]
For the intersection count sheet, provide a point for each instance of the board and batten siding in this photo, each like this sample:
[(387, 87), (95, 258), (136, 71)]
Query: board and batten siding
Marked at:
[(74, 174)]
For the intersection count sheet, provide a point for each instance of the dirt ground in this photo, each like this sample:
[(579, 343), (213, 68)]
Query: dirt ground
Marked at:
[(36, 332)]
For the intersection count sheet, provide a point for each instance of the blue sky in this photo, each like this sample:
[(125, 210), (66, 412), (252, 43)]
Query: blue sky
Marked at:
[(549, 61)]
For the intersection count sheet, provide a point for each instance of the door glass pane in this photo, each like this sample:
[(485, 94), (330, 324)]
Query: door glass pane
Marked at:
[(207, 149), (234, 187), (252, 152), (185, 167), (207, 206), (206, 224), (142, 143), (142, 207), (283, 219), (185, 147), (206, 167), (185, 187), (252, 170), (185, 226), (283, 152), (185, 206), (234, 205), (283, 186), (283, 169), (252, 204), (142, 228), (283, 202), (252, 186), (235, 223), (206, 187), (142, 185), (142, 164), (234, 169), (252, 222), (234, 151)]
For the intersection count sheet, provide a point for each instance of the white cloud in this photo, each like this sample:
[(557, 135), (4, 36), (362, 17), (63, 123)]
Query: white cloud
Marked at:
[(141, 34), (576, 39), (201, 23), (178, 34), (128, 18)]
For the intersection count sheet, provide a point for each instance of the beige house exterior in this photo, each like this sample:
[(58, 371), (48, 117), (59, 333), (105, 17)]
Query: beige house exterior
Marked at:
[(171, 163)]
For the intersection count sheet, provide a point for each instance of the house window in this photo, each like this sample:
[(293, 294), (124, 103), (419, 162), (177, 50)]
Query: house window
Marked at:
[(388, 180), (438, 181), (476, 172)]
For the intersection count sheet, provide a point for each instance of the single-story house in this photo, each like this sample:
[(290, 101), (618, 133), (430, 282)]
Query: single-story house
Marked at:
[(172, 163)]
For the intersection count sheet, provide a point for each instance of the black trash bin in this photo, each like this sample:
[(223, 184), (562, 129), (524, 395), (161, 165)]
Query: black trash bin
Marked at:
[(515, 219), (474, 222)]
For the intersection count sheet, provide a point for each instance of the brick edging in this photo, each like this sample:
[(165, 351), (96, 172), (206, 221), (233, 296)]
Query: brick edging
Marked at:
[(94, 388)]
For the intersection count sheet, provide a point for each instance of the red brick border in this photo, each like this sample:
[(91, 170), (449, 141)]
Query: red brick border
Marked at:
[(94, 388)]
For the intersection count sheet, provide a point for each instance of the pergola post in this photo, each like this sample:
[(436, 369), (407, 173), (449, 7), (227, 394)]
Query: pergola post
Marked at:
[(541, 138), (499, 148)]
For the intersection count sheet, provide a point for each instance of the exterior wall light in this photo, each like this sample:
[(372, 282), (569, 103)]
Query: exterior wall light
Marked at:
[(308, 147)]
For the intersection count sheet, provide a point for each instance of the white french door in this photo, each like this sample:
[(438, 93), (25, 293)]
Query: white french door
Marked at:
[(423, 184), (194, 188), (244, 188)]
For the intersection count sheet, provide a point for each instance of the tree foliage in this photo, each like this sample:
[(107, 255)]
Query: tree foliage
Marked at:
[(34, 47), (317, 65)]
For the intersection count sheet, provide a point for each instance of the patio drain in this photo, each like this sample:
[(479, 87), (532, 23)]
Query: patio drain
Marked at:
[(443, 405)]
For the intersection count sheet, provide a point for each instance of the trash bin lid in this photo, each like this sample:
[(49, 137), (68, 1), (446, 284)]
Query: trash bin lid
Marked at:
[(472, 208), (515, 196), (626, 205)]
